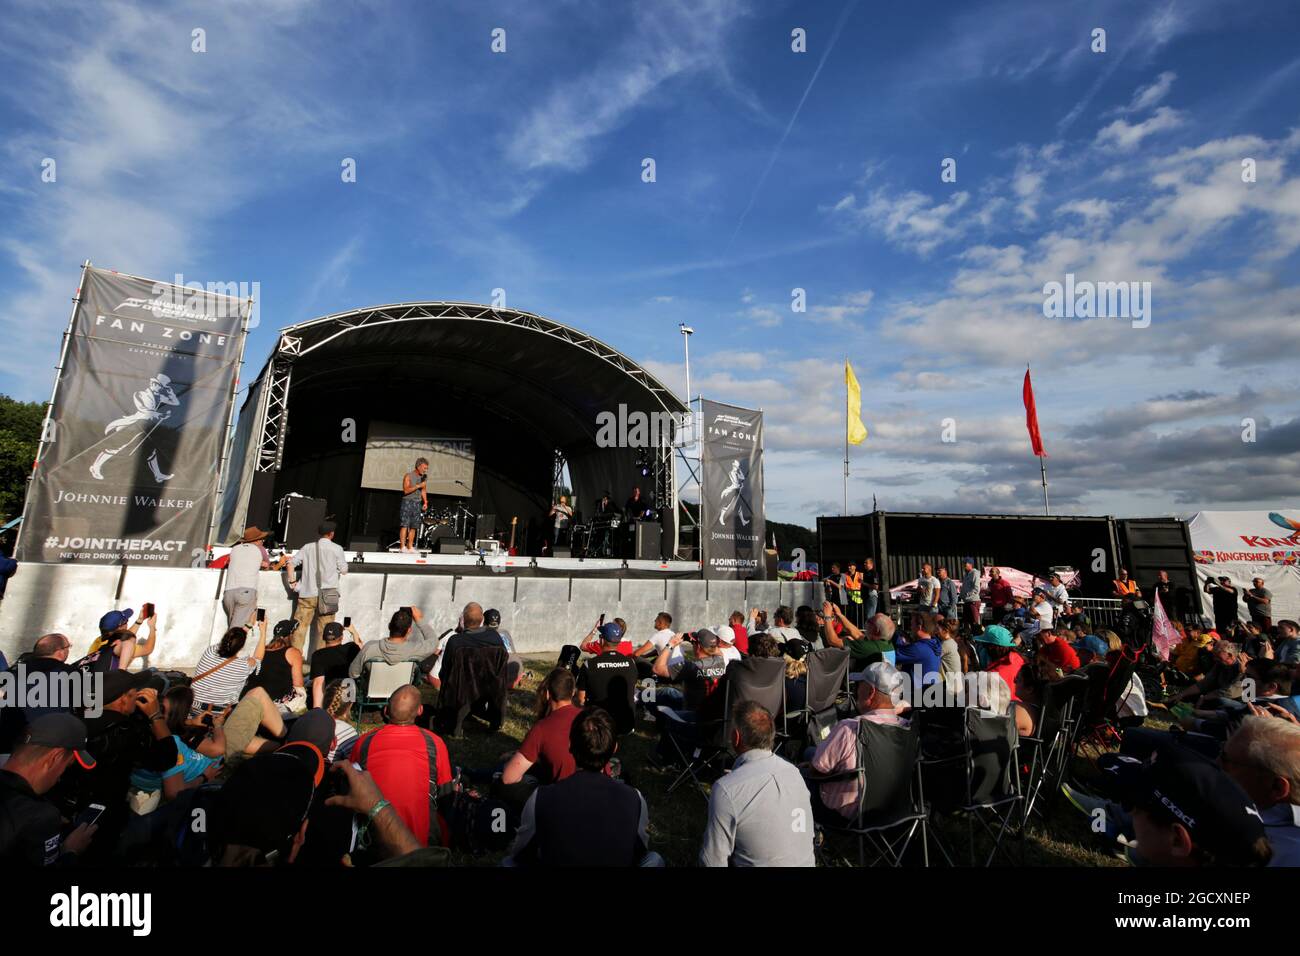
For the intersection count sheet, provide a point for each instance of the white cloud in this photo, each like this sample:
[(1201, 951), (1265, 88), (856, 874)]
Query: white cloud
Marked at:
[(1124, 135)]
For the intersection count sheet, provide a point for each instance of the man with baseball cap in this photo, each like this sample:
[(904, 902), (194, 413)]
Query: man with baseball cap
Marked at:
[(30, 824), (247, 558), (609, 680), (878, 692), (116, 645), (1186, 811)]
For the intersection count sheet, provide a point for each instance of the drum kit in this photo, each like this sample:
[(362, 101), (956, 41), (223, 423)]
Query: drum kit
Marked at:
[(450, 521)]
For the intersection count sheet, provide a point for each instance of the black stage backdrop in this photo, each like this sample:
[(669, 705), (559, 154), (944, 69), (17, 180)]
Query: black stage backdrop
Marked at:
[(731, 507), (129, 471)]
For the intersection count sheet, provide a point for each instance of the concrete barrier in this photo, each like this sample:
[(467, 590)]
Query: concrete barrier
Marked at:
[(542, 614)]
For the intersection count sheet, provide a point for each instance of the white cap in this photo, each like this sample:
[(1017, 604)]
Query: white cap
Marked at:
[(883, 676)]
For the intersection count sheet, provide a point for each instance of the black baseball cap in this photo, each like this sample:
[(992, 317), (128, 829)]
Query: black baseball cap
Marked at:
[(327, 527), (285, 628), (119, 682), (1181, 786), (62, 731), (331, 631)]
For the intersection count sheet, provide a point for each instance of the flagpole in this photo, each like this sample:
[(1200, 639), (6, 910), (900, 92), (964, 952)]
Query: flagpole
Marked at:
[(1042, 464), (846, 435)]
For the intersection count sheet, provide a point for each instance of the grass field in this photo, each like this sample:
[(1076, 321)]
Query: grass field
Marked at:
[(677, 819)]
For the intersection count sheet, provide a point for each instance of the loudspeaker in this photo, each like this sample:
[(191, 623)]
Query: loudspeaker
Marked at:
[(485, 526), (364, 542), (451, 546), (562, 551), (300, 520), (649, 541)]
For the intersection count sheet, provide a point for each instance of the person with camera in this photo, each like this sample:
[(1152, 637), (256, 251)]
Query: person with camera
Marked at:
[(609, 679), (116, 647), (30, 824), (1224, 678)]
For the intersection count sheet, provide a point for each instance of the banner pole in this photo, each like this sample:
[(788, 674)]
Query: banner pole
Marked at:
[(1042, 464), (49, 406), (222, 475), (846, 436)]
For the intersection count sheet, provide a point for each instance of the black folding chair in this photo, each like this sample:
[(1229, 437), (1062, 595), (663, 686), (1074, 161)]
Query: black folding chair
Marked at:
[(991, 787), (1045, 755), (1107, 683), (891, 806), (828, 683), (705, 746)]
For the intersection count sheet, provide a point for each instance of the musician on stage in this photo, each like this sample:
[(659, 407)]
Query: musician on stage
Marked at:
[(562, 514), (635, 507), (605, 512), (414, 501)]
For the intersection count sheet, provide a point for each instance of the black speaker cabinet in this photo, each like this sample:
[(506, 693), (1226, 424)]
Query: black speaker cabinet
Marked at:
[(649, 541), (485, 526), (300, 520)]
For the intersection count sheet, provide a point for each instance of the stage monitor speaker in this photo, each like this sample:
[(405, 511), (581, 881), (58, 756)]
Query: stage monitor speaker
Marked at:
[(485, 526), (300, 520), (364, 542), (451, 546), (649, 541), (562, 551)]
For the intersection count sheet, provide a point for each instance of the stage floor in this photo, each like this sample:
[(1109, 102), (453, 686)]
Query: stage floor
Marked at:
[(520, 565)]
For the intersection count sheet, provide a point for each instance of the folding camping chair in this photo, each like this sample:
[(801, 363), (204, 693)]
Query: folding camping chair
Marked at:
[(1107, 683), (990, 793), (1048, 751), (891, 806), (380, 680), (704, 746), (828, 681)]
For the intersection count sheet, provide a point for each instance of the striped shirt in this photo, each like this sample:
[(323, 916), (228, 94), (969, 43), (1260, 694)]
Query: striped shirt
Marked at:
[(221, 687), (345, 735)]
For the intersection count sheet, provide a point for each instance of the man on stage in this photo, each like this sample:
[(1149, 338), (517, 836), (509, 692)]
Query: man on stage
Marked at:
[(562, 514), (414, 502), (605, 513)]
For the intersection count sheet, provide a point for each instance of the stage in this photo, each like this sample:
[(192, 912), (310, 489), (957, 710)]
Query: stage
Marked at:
[(468, 565)]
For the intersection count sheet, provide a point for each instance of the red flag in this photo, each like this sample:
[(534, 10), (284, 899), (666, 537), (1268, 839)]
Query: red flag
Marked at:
[(1031, 418)]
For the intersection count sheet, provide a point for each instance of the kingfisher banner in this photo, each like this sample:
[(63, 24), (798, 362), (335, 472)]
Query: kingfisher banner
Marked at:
[(732, 527), (128, 470)]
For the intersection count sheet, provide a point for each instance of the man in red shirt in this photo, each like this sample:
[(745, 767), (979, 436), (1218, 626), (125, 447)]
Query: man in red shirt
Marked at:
[(410, 765), (740, 633), (1057, 652), (1000, 596), (545, 754)]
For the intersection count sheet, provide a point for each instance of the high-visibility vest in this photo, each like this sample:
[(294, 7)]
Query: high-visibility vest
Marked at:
[(1126, 587), (854, 584)]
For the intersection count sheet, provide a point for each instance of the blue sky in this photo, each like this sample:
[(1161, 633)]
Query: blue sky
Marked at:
[(775, 170)]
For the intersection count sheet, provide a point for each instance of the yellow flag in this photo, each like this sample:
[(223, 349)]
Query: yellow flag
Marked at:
[(857, 432)]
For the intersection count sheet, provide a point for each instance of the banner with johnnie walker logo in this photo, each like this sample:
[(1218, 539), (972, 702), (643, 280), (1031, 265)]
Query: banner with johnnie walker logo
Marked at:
[(732, 527), (131, 450)]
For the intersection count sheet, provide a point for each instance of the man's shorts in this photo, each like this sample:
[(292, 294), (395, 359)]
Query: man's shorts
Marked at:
[(241, 726), (410, 513)]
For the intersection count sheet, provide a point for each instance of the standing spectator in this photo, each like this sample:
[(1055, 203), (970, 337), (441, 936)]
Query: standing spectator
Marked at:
[(760, 813), (853, 592), (949, 596), (833, 585), (1259, 600), (30, 825), (1165, 588), (410, 765), (589, 818), (318, 567), (870, 589), (1125, 588), (333, 660), (929, 588), (970, 595), (247, 559), (1223, 598), (1001, 596)]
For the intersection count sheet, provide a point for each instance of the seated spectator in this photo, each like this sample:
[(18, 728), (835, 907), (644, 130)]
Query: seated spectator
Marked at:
[(339, 696), (701, 677), (759, 813), (663, 633), (171, 765), (410, 765), (781, 629), (1222, 680), (1057, 653), (878, 692), (796, 669), (1187, 812), (1089, 647), (739, 636), (876, 645), (280, 675), (1190, 657), (333, 659), (116, 647), (1263, 757), (262, 810), (950, 663), (608, 680), (920, 658), (597, 637), (515, 663), (807, 625), (220, 673), (587, 819), (544, 755), (408, 640), (1005, 661), (1286, 648), (30, 825), (480, 683)]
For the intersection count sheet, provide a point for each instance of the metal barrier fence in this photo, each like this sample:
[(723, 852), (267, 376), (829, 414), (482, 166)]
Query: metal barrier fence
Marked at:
[(1103, 612)]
